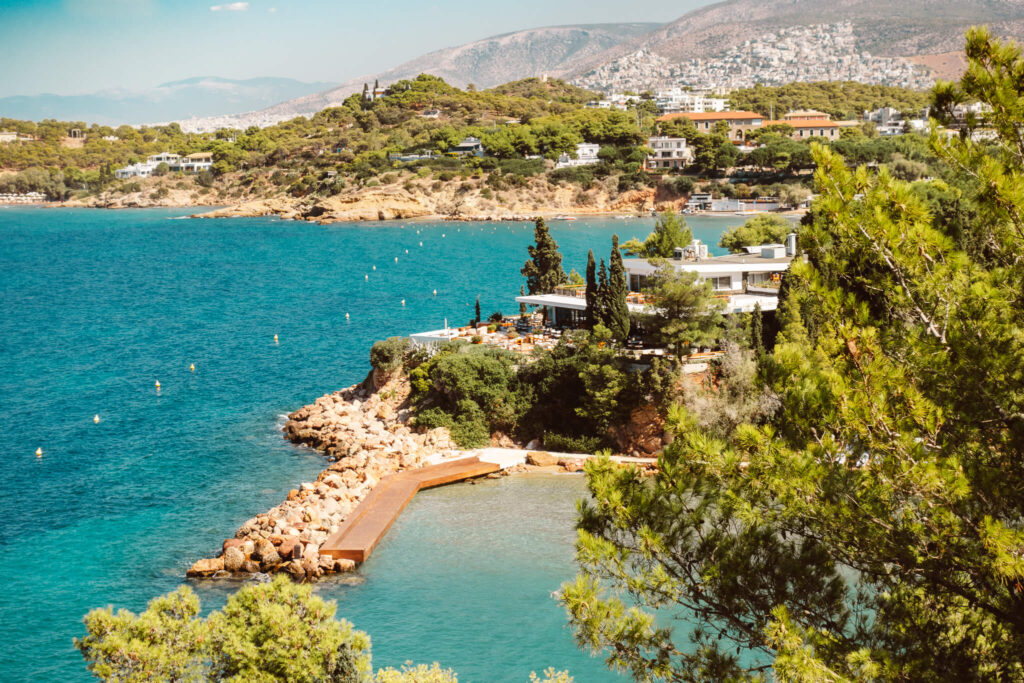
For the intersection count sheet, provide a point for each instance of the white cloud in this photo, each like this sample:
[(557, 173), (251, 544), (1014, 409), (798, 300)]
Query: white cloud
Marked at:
[(230, 7), (272, 10)]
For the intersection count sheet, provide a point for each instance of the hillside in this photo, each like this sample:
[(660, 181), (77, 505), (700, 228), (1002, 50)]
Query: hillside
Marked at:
[(488, 62), (877, 35), (883, 28)]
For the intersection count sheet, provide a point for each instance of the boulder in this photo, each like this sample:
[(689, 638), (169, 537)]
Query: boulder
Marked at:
[(541, 459), (206, 567), (233, 543), (344, 565), (295, 569), (291, 549), (233, 559)]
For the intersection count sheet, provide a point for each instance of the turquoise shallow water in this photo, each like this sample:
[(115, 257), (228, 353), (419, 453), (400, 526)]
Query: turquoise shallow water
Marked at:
[(98, 305)]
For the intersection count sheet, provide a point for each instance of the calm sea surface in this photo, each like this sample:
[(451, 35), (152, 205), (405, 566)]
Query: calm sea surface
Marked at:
[(99, 305)]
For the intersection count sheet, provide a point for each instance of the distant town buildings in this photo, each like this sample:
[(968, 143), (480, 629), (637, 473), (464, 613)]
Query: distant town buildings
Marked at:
[(669, 153), (822, 52), (586, 154), (678, 99)]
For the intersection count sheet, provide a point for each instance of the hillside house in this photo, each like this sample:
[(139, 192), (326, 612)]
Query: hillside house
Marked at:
[(195, 163), (669, 152), (804, 129), (740, 122), (469, 147), (586, 154)]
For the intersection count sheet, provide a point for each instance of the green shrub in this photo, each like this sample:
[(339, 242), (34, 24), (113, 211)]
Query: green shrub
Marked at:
[(432, 418), (390, 354), (573, 444)]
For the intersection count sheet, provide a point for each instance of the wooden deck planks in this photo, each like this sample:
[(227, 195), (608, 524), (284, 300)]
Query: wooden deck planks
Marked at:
[(358, 535)]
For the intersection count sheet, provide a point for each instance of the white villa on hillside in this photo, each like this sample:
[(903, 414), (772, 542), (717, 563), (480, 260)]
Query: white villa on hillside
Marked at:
[(193, 163), (745, 280), (669, 152), (586, 154)]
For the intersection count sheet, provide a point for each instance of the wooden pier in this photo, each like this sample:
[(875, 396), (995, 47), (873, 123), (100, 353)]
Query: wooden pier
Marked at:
[(366, 526)]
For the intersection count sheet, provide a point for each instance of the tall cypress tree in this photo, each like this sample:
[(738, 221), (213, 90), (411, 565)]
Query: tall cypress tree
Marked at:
[(601, 300), (522, 306), (757, 331), (543, 272), (477, 309), (591, 292), (618, 312)]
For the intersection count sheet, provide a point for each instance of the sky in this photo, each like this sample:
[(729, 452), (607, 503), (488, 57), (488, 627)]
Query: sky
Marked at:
[(71, 47)]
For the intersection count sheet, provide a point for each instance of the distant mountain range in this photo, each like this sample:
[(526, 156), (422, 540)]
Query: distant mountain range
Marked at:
[(880, 35), (485, 63), (930, 32), (202, 96)]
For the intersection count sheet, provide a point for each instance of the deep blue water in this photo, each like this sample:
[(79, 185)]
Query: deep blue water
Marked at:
[(99, 305)]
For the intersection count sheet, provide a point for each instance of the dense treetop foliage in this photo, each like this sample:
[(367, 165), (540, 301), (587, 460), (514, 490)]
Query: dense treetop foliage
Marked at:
[(842, 100)]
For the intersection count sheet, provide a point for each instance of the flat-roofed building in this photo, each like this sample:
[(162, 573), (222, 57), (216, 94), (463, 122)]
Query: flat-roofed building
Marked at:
[(669, 153)]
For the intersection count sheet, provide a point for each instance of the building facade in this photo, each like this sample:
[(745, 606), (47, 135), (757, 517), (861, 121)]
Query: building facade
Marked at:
[(669, 153)]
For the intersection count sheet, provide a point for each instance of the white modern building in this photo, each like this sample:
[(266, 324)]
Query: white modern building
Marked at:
[(140, 170), (586, 154), (193, 163), (744, 280), (669, 153), (677, 99)]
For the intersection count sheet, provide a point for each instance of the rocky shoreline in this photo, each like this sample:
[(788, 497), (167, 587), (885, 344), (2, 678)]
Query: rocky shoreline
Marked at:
[(365, 432)]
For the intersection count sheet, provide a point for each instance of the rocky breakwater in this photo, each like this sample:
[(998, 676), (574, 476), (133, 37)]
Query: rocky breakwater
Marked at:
[(366, 434)]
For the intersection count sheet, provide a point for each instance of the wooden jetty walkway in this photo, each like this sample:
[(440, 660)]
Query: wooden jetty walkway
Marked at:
[(366, 526)]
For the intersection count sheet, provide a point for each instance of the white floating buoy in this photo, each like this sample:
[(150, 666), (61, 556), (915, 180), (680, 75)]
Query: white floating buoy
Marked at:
[(403, 302), (421, 244), (435, 292), (346, 316), (96, 419), (375, 268), (367, 277), (275, 338), (406, 251), (396, 259), (158, 385), (192, 367), (39, 452), (442, 234)]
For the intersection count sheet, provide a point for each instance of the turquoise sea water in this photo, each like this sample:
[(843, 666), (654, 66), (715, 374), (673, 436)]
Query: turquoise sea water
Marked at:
[(98, 305)]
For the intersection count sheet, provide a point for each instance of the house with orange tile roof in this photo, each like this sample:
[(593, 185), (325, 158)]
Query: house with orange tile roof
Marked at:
[(740, 122)]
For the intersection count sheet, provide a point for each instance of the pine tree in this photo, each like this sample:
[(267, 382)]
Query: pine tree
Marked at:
[(592, 291), (617, 313), (543, 272), (757, 331), (871, 530), (522, 306), (670, 231)]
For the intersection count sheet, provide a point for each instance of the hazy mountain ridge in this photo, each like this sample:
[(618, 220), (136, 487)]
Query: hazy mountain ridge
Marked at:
[(552, 50), (197, 96)]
